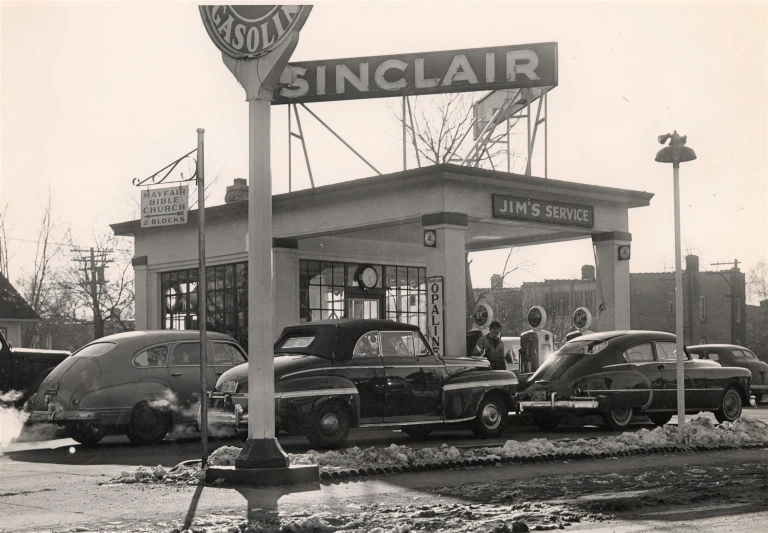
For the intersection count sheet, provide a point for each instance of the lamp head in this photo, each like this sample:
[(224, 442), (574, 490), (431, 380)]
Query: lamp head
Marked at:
[(676, 152)]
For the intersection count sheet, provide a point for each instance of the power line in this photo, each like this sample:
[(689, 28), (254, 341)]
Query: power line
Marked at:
[(61, 244)]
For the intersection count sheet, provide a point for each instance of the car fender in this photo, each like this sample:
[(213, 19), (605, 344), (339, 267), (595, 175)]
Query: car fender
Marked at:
[(116, 402), (463, 393), (299, 399), (729, 376), (621, 388)]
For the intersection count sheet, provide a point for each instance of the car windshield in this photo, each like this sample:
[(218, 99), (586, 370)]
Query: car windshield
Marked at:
[(92, 350)]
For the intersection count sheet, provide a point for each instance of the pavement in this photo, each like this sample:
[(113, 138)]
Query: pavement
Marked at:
[(39, 497)]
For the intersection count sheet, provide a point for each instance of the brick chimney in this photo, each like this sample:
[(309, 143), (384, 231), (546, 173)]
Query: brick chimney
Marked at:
[(588, 273), (237, 192), (691, 263)]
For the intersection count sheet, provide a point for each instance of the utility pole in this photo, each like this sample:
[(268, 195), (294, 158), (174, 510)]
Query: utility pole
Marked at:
[(93, 268)]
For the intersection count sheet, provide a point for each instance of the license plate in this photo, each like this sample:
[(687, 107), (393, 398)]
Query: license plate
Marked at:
[(539, 396), (229, 387), (51, 387)]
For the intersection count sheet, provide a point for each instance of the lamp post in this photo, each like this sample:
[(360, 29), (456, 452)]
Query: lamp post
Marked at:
[(677, 153)]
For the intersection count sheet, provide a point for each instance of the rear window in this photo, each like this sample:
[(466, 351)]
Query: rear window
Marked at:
[(744, 354), (582, 346), (92, 350), (297, 342)]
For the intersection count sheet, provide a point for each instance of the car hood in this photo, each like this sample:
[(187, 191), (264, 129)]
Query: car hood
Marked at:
[(457, 365), (284, 364)]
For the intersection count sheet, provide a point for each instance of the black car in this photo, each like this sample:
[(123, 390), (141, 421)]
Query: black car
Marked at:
[(733, 355), (618, 374), (333, 375)]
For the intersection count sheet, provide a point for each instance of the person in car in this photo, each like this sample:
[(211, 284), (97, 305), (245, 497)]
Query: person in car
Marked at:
[(491, 347)]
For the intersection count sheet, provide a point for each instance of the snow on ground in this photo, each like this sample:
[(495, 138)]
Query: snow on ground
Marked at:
[(698, 432)]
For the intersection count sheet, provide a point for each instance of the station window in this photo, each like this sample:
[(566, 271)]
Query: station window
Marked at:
[(323, 287), (702, 308), (738, 310), (226, 294)]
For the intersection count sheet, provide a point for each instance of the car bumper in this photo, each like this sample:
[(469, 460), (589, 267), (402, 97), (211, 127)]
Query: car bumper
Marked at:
[(63, 416), (560, 405)]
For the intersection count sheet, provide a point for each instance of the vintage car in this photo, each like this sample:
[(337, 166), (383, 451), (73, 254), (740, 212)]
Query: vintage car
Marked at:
[(333, 375), (618, 374), (139, 383), (732, 355)]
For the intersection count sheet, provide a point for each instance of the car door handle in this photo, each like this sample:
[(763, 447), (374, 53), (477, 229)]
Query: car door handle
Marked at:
[(661, 367), (176, 374), (389, 366)]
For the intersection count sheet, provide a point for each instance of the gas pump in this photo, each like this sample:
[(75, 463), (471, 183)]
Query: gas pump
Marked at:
[(482, 316), (582, 319), (535, 344)]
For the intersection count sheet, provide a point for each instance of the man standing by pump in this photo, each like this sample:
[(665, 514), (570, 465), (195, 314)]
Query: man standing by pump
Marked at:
[(491, 347)]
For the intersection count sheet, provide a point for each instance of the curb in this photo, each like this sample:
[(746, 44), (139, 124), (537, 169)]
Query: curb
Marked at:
[(352, 474)]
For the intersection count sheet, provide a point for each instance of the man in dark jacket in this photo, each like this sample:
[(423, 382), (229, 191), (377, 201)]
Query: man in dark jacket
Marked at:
[(491, 347)]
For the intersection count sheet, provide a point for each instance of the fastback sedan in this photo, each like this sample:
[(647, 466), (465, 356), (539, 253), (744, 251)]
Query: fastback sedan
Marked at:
[(618, 374), (139, 383), (732, 355), (333, 375)]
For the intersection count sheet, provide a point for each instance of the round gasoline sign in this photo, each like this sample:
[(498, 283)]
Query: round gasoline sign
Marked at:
[(537, 317), (250, 31), (482, 315), (582, 318)]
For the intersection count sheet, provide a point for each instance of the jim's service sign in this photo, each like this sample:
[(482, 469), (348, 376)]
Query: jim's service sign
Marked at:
[(517, 208)]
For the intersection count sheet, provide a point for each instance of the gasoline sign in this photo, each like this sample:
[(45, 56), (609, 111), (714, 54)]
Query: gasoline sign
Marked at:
[(164, 207), (250, 31), (582, 318), (537, 317)]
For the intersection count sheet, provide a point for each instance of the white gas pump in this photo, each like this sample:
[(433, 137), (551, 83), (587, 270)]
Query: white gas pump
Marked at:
[(582, 319), (537, 343)]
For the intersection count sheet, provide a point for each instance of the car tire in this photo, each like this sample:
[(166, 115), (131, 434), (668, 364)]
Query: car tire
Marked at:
[(492, 416), (87, 434), (659, 419), (148, 425), (418, 431), (547, 421), (330, 426), (730, 406), (618, 418)]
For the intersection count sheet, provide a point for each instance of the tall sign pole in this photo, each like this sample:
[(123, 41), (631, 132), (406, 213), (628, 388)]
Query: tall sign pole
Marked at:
[(202, 304), (256, 43)]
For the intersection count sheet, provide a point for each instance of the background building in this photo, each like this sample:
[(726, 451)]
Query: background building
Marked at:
[(714, 308), (14, 312)]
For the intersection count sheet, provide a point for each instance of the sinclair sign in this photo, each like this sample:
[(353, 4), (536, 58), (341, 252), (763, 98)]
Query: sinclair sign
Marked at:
[(476, 69)]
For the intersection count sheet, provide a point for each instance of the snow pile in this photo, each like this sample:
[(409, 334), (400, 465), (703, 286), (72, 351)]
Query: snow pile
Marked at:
[(224, 456), (697, 432), (178, 475)]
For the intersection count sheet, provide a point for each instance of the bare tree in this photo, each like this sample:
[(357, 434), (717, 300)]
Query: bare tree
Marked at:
[(37, 286), (99, 293), (3, 242), (474, 298)]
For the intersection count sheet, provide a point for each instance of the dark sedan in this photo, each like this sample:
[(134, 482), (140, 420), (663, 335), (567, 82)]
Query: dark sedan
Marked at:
[(618, 374), (738, 356), (333, 375)]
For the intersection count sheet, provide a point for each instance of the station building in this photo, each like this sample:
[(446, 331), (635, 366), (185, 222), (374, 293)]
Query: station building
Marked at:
[(358, 248)]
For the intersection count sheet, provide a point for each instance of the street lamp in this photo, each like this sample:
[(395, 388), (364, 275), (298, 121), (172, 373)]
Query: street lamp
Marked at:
[(677, 153)]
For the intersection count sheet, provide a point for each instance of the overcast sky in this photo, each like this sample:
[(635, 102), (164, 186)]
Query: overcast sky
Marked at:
[(96, 94)]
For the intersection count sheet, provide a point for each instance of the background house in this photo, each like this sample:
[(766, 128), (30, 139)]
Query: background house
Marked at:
[(14, 312)]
